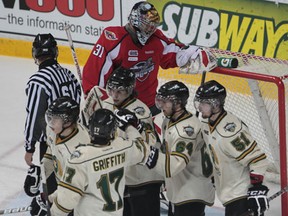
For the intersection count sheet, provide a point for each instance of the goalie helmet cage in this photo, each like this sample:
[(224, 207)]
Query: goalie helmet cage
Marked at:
[(257, 92)]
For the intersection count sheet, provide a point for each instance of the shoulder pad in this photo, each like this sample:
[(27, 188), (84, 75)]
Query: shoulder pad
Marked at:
[(229, 126)]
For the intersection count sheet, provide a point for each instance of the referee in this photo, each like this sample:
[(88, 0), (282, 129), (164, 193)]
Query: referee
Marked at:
[(48, 83)]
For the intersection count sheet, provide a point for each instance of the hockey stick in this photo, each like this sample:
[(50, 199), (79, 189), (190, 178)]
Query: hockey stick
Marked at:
[(45, 190), (15, 210), (272, 197), (69, 37)]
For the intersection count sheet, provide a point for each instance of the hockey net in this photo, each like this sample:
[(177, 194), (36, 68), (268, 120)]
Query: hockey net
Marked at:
[(256, 93)]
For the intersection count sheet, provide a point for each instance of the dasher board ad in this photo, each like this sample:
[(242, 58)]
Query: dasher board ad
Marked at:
[(87, 18), (254, 27)]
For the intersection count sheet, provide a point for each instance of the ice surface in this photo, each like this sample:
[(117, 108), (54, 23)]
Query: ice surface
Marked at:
[(13, 77)]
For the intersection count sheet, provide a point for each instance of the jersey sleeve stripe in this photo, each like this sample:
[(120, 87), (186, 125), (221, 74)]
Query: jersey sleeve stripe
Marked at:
[(61, 207), (69, 187), (48, 156), (186, 159), (247, 151), (167, 165), (255, 160)]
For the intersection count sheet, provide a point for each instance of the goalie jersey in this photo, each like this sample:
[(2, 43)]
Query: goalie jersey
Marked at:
[(94, 178), (115, 48), (185, 162), (59, 150), (234, 153)]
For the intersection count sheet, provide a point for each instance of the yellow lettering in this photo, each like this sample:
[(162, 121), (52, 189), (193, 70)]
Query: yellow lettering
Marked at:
[(274, 38), (230, 32), (255, 38)]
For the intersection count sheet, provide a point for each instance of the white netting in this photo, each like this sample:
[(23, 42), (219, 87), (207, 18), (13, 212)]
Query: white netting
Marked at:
[(255, 102)]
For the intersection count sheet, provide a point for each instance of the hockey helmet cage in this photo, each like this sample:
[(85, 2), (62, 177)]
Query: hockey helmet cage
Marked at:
[(44, 45), (145, 19), (102, 126), (175, 91), (65, 108), (211, 92), (122, 79)]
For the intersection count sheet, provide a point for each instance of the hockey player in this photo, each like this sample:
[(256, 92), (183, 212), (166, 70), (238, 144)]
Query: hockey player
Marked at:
[(239, 164), (93, 180), (50, 82), (184, 161), (140, 46), (142, 185), (64, 134)]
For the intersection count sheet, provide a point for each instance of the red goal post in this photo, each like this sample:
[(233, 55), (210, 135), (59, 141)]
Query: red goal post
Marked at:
[(256, 92)]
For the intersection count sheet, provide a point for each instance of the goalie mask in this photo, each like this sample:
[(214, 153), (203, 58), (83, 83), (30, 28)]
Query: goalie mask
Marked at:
[(61, 112), (145, 20), (102, 126), (174, 91), (44, 45), (212, 93)]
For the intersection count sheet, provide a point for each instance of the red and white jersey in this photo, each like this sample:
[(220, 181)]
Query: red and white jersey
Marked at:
[(115, 48), (59, 150), (234, 153), (185, 163), (94, 178)]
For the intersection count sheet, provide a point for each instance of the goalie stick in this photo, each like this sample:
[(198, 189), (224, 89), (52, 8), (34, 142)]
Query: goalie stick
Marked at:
[(69, 37), (272, 197)]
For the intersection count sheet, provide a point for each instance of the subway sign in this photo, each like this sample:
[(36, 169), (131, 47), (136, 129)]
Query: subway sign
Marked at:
[(227, 30)]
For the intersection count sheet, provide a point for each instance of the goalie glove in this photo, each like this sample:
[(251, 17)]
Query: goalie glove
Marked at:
[(125, 117), (32, 181), (194, 60), (38, 206), (257, 195)]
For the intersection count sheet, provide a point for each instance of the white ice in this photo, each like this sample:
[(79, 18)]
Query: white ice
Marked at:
[(13, 77)]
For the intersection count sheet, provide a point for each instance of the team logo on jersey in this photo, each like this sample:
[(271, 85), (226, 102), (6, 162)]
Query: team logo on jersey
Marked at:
[(110, 35), (75, 154), (139, 110), (230, 127), (143, 69), (189, 130)]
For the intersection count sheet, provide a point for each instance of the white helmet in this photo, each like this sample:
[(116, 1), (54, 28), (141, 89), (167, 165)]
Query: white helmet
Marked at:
[(145, 19)]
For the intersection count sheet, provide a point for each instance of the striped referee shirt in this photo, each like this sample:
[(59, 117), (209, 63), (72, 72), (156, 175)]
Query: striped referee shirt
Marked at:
[(47, 84)]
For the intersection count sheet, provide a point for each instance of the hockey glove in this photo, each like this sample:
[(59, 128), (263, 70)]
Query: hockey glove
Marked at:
[(194, 60), (257, 195), (152, 157), (125, 117), (38, 206), (32, 181)]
